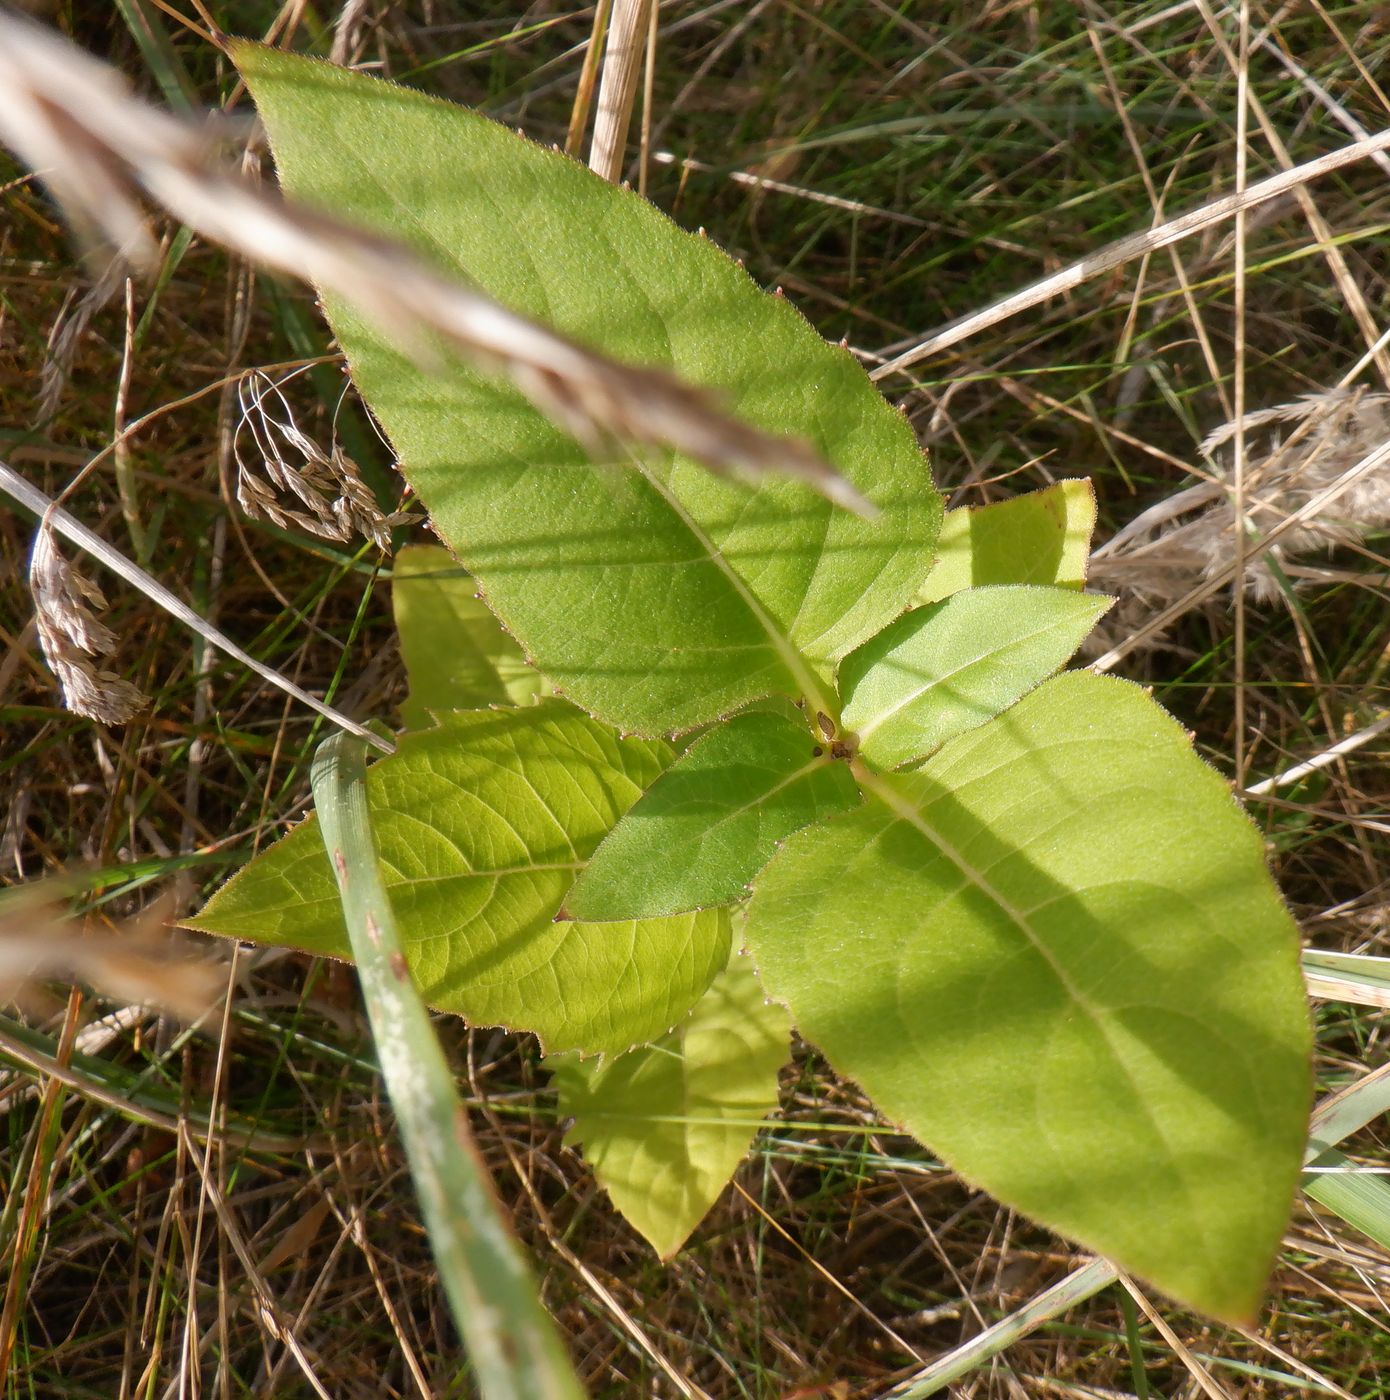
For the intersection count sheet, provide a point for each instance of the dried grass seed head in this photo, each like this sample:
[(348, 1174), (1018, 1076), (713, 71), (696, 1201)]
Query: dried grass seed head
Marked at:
[(337, 503), (72, 637)]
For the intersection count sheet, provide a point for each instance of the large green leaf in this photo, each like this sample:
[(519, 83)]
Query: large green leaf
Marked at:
[(481, 825), (712, 820), (1041, 537), (1054, 954), (456, 654), (945, 668), (664, 1127), (654, 594)]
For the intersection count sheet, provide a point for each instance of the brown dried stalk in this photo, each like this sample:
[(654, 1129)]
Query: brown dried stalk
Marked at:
[(100, 149), (71, 636), (622, 66)]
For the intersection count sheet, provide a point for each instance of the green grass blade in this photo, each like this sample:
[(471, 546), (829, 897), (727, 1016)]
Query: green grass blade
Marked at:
[(1358, 1196), (512, 1342), (159, 53), (1349, 1110)]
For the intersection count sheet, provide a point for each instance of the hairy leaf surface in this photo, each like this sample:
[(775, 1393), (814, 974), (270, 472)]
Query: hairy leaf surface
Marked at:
[(481, 825), (943, 669), (1109, 1034), (456, 654), (1042, 537), (653, 593), (664, 1127), (712, 820)]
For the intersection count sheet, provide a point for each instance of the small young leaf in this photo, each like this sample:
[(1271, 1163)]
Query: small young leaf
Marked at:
[(1043, 537), (456, 655), (943, 669), (700, 833), (665, 1127), (481, 825), (656, 595), (1055, 955)]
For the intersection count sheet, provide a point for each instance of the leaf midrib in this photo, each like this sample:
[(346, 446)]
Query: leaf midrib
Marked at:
[(802, 673)]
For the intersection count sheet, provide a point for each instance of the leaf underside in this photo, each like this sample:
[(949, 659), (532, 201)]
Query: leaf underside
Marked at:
[(654, 594), (712, 820), (664, 1127), (481, 825), (1113, 1039)]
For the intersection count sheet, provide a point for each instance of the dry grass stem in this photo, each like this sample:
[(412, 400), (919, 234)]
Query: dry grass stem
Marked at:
[(98, 148), (73, 639), (622, 66)]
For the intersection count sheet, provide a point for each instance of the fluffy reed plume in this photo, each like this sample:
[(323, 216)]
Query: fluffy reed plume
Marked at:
[(138, 963), (1317, 477), (72, 637), (99, 149), (337, 503)]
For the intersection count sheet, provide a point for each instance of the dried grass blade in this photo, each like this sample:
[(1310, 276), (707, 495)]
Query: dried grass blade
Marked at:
[(1126, 250), (138, 963), (100, 149), (1328, 756), (514, 1348)]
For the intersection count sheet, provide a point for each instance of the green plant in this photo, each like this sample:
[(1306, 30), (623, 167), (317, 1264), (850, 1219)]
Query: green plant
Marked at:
[(1018, 910)]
